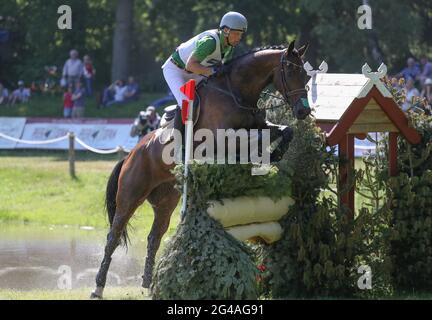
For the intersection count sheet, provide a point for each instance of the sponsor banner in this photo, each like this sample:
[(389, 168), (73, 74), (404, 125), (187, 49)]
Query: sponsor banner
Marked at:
[(12, 127), (100, 134)]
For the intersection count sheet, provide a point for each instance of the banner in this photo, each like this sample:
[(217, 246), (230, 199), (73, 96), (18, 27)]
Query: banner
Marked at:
[(12, 127), (100, 134)]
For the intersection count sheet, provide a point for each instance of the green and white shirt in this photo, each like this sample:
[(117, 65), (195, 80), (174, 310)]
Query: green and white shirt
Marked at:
[(207, 47)]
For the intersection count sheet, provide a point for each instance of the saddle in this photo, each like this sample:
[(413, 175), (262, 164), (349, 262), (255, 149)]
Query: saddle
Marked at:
[(165, 132)]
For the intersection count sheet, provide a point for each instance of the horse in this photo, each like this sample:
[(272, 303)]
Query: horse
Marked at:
[(227, 101)]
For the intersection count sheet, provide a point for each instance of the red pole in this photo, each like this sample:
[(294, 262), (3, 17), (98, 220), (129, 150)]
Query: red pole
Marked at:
[(351, 159), (346, 153)]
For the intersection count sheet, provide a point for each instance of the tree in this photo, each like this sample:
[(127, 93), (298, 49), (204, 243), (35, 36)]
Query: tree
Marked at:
[(122, 41)]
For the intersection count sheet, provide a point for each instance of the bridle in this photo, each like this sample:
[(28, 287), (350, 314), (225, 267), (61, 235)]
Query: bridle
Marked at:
[(286, 92)]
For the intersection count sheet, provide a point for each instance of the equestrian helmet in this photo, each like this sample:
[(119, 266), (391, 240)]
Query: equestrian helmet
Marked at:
[(234, 21)]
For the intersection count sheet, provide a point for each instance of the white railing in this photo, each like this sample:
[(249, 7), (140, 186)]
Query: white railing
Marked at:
[(72, 138)]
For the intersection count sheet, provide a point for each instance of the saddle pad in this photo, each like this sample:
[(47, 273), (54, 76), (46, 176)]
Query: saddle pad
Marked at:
[(166, 129)]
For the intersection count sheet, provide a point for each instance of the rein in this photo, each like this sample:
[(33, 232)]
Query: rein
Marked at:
[(286, 92)]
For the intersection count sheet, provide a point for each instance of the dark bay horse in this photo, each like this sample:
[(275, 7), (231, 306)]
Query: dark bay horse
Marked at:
[(142, 175)]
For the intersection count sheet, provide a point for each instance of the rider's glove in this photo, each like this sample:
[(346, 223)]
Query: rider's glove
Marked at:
[(219, 69)]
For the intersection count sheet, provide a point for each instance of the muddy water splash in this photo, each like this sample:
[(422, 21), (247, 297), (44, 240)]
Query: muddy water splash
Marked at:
[(39, 257)]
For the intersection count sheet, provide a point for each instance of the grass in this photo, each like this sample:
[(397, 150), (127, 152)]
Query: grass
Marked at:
[(137, 293), (52, 106), (110, 293), (36, 188)]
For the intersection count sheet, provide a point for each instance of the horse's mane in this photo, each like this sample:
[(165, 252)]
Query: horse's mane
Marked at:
[(229, 65), (254, 50)]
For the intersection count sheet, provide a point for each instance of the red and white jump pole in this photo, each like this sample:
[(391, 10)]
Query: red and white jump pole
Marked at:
[(187, 116)]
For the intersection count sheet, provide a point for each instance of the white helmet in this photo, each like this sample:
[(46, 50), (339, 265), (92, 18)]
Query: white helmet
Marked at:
[(234, 21)]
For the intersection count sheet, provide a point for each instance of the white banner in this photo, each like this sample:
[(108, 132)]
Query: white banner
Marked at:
[(100, 136), (12, 127)]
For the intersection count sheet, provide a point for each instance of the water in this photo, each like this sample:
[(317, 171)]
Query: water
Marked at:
[(42, 257)]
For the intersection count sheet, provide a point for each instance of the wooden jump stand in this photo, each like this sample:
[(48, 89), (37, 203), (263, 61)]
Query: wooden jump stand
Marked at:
[(348, 106)]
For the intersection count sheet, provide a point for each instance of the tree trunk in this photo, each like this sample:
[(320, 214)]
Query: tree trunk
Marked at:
[(122, 39)]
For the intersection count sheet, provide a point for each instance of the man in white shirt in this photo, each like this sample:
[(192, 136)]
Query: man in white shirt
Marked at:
[(115, 93), (20, 95), (120, 91), (72, 69), (410, 92)]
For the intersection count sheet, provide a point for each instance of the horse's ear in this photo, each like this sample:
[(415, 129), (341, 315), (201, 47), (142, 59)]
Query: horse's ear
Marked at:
[(302, 50), (291, 47)]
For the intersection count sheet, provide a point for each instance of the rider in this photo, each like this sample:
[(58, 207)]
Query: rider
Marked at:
[(202, 56)]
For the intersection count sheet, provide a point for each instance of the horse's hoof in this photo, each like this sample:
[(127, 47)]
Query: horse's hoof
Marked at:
[(94, 296)]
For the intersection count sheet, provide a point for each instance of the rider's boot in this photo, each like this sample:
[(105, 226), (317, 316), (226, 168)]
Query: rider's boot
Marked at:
[(179, 125)]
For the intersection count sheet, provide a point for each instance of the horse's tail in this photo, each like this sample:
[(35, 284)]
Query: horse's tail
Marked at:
[(110, 199)]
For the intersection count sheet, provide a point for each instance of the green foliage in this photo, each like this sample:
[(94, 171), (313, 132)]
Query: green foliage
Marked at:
[(411, 237), (202, 261), (411, 229), (403, 239), (416, 159), (330, 26), (317, 253), (36, 40)]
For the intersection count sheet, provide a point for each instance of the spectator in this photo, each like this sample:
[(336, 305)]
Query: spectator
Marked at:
[(115, 93), (20, 95), (426, 71), (89, 73), (131, 93), (427, 90), (411, 71), (4, 95), (73, 69), (78, 99), (153, 118), (164, 100), (410, 92), (68, 102)]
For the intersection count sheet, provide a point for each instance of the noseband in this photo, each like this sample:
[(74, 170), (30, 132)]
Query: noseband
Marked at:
[(286, 92)]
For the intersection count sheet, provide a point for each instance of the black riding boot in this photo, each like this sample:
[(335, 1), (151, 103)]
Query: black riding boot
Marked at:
[(179, 125)]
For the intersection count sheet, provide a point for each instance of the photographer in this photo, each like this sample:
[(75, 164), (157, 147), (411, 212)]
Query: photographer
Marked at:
[(146, 122)]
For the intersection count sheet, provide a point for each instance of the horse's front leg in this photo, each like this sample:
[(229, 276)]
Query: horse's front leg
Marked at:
[(276, 132)]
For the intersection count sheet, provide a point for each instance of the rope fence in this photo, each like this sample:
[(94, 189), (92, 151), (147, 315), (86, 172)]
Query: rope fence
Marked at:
[(72, 139)]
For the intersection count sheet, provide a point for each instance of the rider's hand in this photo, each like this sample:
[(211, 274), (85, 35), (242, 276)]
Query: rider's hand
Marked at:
[(219, 69)]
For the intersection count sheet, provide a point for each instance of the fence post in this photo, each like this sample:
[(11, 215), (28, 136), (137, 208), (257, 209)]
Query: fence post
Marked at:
[(72, 154)]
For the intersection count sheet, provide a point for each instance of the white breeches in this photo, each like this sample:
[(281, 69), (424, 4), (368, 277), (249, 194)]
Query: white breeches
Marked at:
[(176, 78)]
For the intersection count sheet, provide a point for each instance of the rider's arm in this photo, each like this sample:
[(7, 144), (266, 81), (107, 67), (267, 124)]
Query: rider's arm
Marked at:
[(195, 66), (205, 47)]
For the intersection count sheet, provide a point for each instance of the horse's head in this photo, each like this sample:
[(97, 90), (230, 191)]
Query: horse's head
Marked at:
[(290, 80)]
